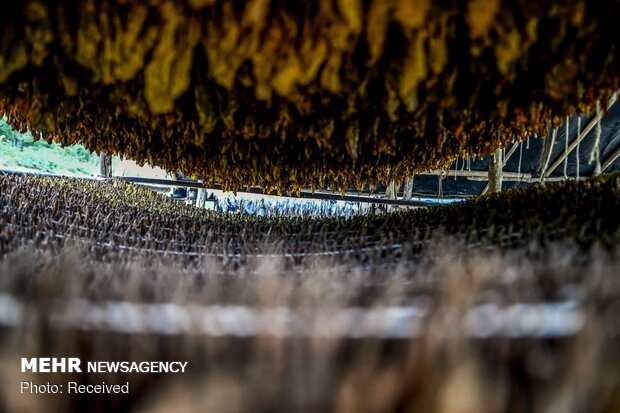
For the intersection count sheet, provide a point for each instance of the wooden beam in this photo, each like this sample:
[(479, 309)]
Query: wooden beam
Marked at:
[(524, 177), (579, 138), (611, 159), (474, 174)]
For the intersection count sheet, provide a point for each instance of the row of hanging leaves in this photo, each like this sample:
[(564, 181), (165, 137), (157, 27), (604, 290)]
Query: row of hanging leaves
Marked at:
[(317, 94), (117, 217)]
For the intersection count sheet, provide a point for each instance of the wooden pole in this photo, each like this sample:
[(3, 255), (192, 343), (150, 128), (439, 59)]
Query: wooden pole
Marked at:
[(496, 165), (512, 150), (391, 190), (408, 189), (105, 165), (201, 197), (546, 155)]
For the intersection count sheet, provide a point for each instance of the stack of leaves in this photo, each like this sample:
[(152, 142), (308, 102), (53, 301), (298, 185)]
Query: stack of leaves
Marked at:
[(117, 217)]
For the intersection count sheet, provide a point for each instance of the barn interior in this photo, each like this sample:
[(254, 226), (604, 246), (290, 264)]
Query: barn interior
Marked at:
[(478, 140)]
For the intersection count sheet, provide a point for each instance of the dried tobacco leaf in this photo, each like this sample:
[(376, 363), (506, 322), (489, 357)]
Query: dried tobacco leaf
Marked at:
[(291, 95)]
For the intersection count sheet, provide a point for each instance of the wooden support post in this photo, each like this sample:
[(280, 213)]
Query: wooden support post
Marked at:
[(512, 150), (391, 190), (201, 197), (545, 155), (496, 165), (105, 165), (408, 189), (596, 150), (440, 178)]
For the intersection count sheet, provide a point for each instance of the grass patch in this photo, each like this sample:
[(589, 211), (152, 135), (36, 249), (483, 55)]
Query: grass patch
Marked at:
[(22, 151)]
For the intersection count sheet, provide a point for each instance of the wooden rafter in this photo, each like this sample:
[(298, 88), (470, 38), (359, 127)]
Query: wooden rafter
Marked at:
[(579, 138), (611, 159)]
